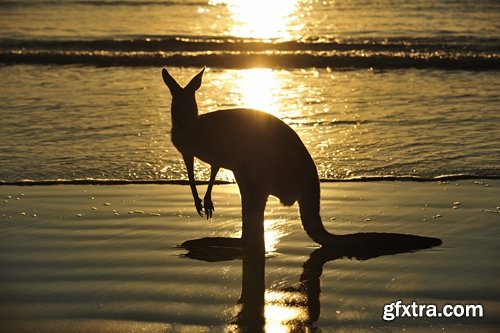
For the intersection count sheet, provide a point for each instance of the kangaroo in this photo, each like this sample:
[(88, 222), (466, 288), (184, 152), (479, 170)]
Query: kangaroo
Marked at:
[(266, 156)]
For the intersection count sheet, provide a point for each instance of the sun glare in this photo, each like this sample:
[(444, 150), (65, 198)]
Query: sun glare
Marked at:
[(261, 18), (279, 315), (273, 232), (260, 89)]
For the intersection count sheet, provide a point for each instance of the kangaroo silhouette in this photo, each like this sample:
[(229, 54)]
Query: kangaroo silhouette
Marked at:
[(266, 156)]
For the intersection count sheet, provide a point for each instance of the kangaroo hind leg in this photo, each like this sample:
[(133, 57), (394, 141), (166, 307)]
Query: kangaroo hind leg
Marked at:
[(253, 205)]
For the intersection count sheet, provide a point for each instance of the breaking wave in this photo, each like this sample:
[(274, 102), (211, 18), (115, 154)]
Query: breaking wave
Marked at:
[(226, 52)]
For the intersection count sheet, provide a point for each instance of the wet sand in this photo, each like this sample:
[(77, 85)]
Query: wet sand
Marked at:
[(105, 258)]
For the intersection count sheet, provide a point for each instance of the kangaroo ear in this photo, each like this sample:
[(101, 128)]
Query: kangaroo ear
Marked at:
[(172, 85), (195, 82)]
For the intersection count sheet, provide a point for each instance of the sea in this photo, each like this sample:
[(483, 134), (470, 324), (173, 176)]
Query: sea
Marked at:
[(402, 94), (387, 89)]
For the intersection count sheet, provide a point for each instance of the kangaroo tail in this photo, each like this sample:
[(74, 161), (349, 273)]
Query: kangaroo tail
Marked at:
[(311, 220), (360, 245)]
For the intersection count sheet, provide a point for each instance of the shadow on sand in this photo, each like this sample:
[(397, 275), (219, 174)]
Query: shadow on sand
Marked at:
[(251, 318)]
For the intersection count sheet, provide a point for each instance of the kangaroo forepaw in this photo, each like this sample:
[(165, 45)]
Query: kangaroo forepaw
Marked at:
[(199, 206), (209, 207)]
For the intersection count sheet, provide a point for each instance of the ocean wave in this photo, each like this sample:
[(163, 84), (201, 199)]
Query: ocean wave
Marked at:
[(454, 44), (387, 178), (238, 59), (227, 52)]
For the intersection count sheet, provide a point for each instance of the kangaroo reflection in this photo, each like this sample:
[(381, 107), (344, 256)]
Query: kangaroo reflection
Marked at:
[(302, 302)]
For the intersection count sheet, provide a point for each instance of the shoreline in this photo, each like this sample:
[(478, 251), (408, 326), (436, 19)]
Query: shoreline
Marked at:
[(90, 181)]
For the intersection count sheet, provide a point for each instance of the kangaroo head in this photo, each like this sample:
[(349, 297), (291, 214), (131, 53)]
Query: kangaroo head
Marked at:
[(184, 108)]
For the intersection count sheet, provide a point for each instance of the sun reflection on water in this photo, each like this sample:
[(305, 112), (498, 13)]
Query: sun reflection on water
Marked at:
[(260, 89), (280, 316), (265, 89), (261, 18), (274, 231)]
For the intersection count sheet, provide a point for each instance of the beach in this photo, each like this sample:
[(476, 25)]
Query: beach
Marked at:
[(106, 258), (396, 102)]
